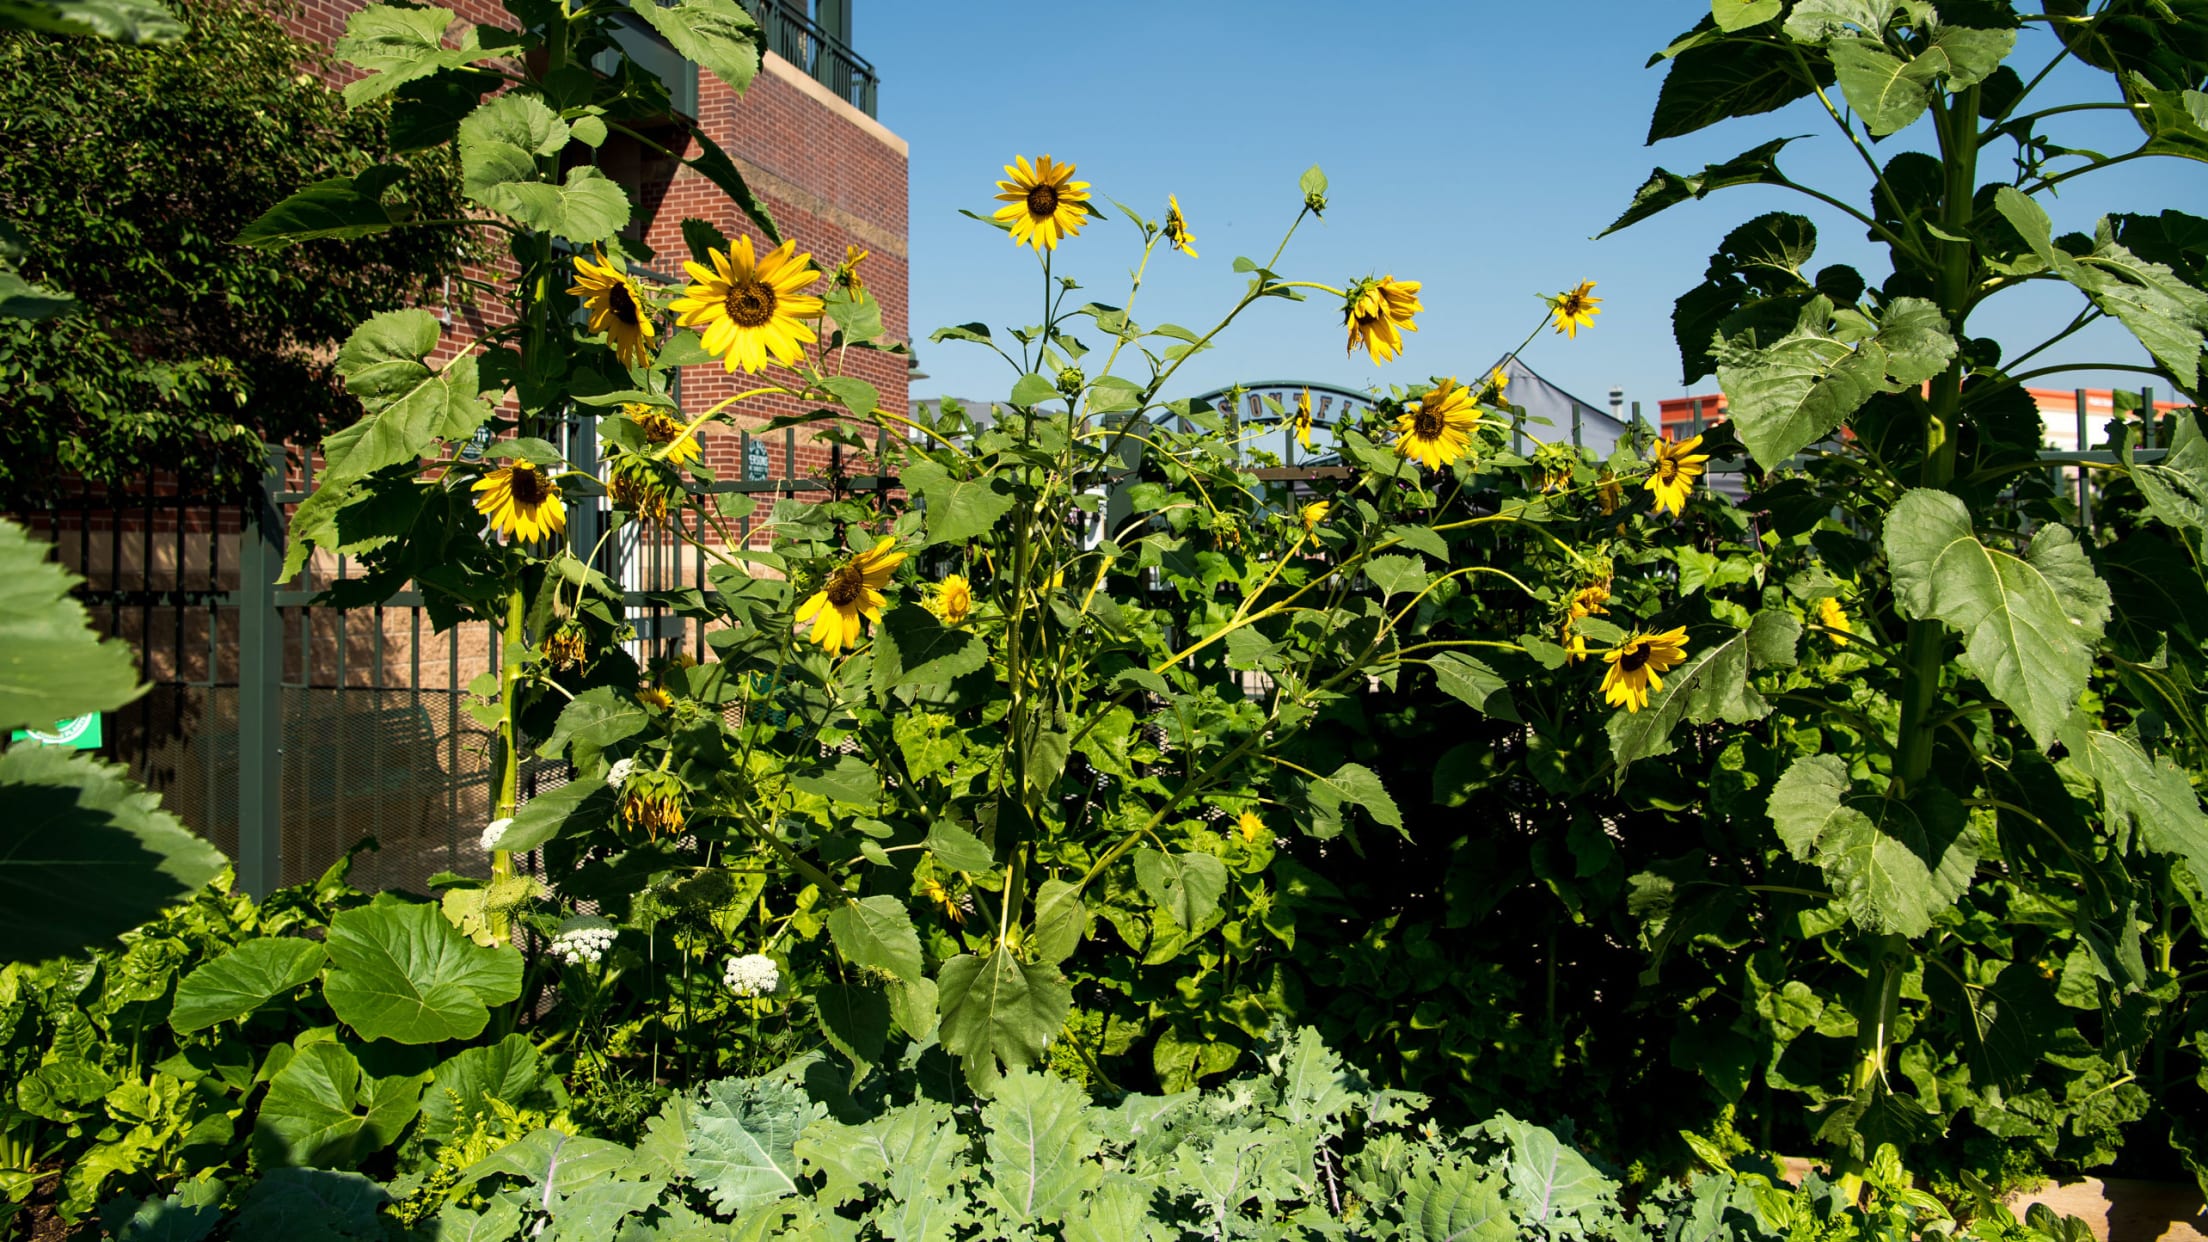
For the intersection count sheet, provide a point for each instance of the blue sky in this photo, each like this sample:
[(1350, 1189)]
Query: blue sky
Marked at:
[(1476, 146)]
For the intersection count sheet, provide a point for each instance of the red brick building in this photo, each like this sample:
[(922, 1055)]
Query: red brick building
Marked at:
[(808, 146)]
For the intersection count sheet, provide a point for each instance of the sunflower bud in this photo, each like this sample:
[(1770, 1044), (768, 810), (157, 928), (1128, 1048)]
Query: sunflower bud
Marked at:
[(1071, 381), (1315, 203), (642, 486)]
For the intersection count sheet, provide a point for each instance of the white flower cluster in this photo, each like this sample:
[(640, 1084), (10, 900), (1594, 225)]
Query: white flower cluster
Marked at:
[(751, 975), (495, 833), (583, 944), (618, 774)]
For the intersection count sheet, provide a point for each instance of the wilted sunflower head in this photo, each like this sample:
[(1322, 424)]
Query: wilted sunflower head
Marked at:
[(522, 502), (1378, 312), (1609, 493), (750, 308), (644, 487), (671, 438), (617, 308), (1576, 309), (853, 590), (652, 803), (1042, 202), (567, 646), (1671, 475), (1176, 228), (1439, 428), (1636, 665), (1590, 600)]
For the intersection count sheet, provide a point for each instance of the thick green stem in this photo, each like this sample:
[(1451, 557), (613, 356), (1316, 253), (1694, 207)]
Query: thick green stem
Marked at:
[(1925, 653), (513, 645)]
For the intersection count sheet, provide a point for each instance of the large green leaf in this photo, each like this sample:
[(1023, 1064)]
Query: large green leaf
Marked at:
[(997, 1008), (1738, 76), (123, 21), (1351, 784), (1040, 1149), (2176, 488), (877, 932), (591, 721), (1665, 188), (2154, 796), (323, 1109), (2161, 308), (555, 1162), (957, 509), (2028, 624), (1787, 395), (855, 1019), (410, 406), (340, 208), (913, 647), (577, 806), (244, 979), (1712, 685), (1894, 864), (52, 666), (1887, 92), (714, 165), (1456, 1202), (509, 1071), (86, 854), (1551, 1184), (20, 299), (717, 34), (1187, 885), (398, 46), (1474, 684), (741, 1139), (310, 1205), (402, 972), (913, 1153)]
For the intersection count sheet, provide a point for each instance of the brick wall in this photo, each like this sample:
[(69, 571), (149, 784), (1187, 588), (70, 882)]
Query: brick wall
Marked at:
[(830, 175)]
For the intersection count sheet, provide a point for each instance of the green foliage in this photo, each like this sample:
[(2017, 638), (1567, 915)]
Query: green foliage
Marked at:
[(182, 352)]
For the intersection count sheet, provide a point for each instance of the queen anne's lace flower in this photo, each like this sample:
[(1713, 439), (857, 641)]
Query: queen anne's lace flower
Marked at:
[(753, 974), (583, 944), (618, 774), (495, 833)]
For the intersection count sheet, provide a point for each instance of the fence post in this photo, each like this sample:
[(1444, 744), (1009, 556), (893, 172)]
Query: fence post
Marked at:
[(2085, 488), (260, 686)]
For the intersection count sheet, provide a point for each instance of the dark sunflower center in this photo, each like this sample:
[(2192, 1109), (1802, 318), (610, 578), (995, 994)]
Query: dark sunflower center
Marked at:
[(1634, 658), (660, 429), (1428, 423), (750, 303), (1667, 469), (844, 586), (1042, 200), (528, 487), (624, 306)]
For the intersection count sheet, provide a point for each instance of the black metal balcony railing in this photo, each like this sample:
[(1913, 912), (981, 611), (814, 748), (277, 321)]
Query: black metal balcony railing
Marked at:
[(793, 35)]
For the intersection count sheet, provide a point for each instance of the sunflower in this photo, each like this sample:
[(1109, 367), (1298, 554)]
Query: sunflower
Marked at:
[(953, 601), (617, 308), (652, 802), (1576, 310), (1574, 642), (1835, 620), (1315, 513), (1250, 826), (853, 590), (1635, 663), (1439, 430), (1303, 419), (664, 431), (1497, 380), (1378, 312), (1176, 228), (1042, 202), (932, 890), (847, 272), (750, 309), (653, 696), (1671, 475), (522, 501)]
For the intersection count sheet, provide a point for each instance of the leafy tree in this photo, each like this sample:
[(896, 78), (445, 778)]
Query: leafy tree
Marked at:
[(124, 173)]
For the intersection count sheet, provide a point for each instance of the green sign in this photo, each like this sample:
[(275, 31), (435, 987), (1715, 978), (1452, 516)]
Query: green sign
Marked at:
[(77, 732)]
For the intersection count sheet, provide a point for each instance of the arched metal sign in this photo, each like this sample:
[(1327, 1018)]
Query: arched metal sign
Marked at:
[(1265, 411)]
